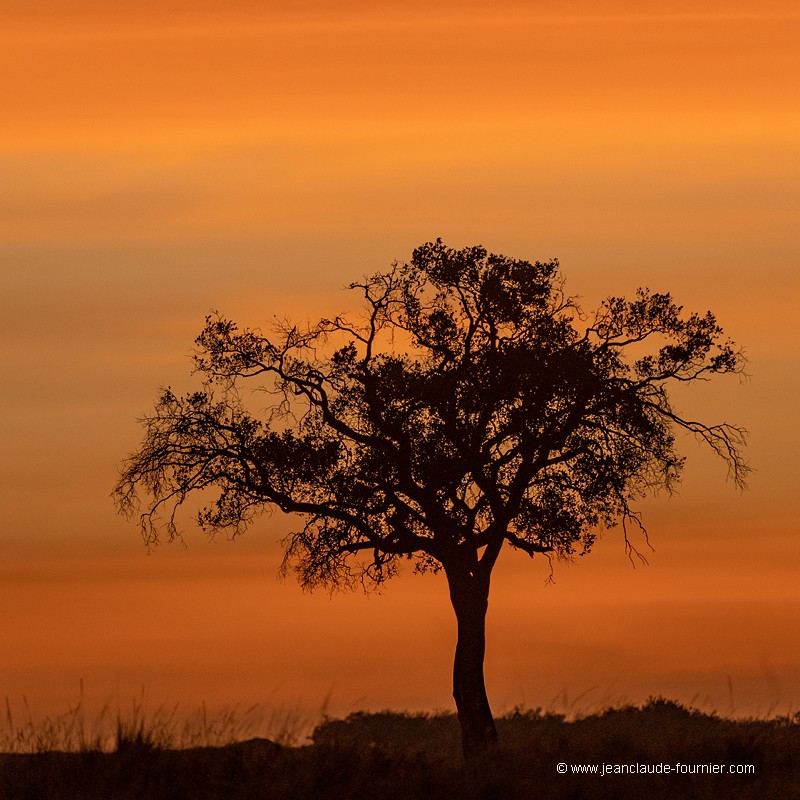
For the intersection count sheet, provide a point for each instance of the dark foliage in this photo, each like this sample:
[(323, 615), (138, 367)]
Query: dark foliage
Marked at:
[(468, 407), (395, 756)]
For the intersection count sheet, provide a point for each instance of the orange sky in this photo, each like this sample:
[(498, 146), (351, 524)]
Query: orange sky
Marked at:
[(158, 160)]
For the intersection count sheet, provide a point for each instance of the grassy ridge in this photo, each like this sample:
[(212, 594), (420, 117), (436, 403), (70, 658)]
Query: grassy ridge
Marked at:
[(390, 755)]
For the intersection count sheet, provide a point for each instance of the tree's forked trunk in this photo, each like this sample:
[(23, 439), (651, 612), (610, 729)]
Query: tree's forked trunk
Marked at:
[(469, 595)]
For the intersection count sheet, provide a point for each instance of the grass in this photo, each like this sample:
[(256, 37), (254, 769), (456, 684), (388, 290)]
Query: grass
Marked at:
[(166, 727), (391, 755)]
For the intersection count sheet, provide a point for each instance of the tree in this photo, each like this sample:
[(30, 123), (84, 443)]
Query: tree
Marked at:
[(471, 406)]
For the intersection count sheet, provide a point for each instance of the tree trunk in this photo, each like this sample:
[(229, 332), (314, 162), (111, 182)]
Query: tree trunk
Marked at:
[(469, 594)]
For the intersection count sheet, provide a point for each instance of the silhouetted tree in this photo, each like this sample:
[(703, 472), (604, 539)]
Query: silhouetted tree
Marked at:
[(469, 407)]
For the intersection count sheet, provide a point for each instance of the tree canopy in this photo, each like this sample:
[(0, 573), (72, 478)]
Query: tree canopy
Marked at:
[(470, 404)]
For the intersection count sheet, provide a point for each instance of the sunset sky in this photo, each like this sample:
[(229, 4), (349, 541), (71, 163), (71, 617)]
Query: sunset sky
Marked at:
[(162, 159)]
